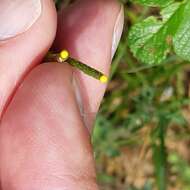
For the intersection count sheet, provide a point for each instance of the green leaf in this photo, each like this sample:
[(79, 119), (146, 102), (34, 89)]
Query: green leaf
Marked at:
[(151, 40), (182, 37), (154, 3)]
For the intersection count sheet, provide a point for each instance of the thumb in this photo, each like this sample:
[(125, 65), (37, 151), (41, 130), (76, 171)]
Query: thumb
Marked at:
[(91, 31), (44, 144)]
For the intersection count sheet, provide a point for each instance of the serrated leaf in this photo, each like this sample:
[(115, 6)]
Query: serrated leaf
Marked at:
[(182, 38), (155, 3), (151, 40)]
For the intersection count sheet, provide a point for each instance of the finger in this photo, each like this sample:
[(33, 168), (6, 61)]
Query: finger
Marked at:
[(27, 29), (90, 30), (43, 142)]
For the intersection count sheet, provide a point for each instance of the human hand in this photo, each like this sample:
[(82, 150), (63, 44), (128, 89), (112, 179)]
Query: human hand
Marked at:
[(46, 109)]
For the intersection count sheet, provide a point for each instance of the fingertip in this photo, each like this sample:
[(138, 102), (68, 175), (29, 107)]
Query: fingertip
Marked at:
[(20, 53)]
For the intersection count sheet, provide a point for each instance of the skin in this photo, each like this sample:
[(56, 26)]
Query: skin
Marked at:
[(44, 140)]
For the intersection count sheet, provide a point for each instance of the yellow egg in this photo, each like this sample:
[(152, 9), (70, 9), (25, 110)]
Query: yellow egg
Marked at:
[(64, 55), (104, 79)]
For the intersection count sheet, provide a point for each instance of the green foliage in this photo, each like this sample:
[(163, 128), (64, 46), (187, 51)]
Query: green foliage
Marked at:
[(182, 36), (161, 3), (180, 167), (148, 96), (159, 154), (151, 106), (152, 39)]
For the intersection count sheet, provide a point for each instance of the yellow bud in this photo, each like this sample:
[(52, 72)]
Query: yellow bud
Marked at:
[(64, 55), (104, 79)]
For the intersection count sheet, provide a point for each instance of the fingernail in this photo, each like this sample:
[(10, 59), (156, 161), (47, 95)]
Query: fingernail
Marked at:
[(77, 94), (118, 29), (17, 16), (88, 118)]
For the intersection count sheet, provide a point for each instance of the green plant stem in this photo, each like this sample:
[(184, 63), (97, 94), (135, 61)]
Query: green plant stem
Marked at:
[(85, 68)]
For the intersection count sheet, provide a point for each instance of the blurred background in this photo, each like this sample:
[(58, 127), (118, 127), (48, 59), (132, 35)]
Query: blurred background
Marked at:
[(142, 136)]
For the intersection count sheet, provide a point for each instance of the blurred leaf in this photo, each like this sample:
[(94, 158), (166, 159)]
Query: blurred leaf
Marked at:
[(155, 3), (147, 186), (182, 37), (104, 178), (160, 156), (180, 167)]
